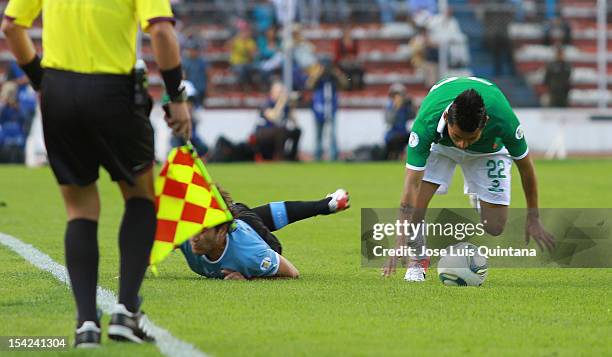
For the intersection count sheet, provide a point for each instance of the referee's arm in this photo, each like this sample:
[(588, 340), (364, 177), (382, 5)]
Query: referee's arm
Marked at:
[(23, 49), (167, 55)]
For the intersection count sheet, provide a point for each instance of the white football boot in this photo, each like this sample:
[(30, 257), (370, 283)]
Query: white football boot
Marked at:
[(416, 270), (339, 201)]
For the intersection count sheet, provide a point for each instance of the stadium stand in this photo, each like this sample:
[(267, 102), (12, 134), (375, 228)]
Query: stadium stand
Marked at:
[(383, 50), (385, 53), (532, 54)]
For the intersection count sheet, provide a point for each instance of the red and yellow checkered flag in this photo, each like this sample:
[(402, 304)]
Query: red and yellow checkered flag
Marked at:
[(186, 201)]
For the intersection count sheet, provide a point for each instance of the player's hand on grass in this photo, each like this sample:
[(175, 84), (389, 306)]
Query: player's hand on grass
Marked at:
[(534, 229), (391, 265), (232, 275), (389, 268), (179, 120)]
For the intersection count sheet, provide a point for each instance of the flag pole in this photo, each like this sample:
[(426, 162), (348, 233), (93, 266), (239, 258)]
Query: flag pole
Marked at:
[(215, 191)]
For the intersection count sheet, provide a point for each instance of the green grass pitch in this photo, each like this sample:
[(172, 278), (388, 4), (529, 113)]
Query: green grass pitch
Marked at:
[(336, 307)]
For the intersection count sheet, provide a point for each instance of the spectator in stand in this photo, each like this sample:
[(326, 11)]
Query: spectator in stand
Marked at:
[(304, 56), (270, 53), (346, 57), (557, 32), (12, 135), (387, 10), (425, 56), (14, 73), (243, 52), (557, 79), (498, 15), (263, 16), (277, 127), (9, 106), (27, 101), (421, 10), (325, 81), (196, 69), (444, 27), (26, 97), (398, 114)]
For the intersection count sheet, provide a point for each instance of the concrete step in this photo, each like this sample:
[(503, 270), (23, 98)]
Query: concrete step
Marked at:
[(518, 92)]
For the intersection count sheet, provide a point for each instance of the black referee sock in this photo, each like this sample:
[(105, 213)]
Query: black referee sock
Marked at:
[(81, 247), (135, 241)]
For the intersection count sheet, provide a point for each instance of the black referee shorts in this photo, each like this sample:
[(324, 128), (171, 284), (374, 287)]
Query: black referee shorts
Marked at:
[(90, 120)]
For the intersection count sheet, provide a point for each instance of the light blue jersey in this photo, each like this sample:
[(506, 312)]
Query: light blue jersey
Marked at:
[(245, 252)]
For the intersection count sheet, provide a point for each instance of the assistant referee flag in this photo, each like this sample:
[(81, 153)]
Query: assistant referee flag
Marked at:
[(186, 202)]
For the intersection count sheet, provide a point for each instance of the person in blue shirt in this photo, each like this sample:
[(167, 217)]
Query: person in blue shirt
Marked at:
[(12, 123), (26, 97), (246, 249), (398, 114), (325, 81), (269, 54), (263, 16), (196, 70)]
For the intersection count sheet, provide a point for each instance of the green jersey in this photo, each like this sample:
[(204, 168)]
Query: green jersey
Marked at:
[(502, 129)]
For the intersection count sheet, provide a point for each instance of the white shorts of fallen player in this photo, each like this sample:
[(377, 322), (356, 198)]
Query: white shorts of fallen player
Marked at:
[(485, 175)]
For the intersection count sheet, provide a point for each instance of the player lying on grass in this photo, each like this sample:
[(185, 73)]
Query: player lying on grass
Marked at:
[(467, 121), (246, 248)]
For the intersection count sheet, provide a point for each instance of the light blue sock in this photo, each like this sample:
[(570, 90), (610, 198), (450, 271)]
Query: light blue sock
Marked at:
[(279, 214)]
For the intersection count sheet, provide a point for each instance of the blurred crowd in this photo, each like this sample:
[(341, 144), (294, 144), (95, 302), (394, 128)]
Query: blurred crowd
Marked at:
[(17, 111), (257, 54), (497, 17), (256, 58), (256, 50)]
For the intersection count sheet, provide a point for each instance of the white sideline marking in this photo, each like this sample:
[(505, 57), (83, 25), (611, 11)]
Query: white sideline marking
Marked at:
[(165, 342)]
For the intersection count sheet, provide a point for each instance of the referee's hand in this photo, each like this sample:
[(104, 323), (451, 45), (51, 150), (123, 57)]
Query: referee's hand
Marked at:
[(179, 120)]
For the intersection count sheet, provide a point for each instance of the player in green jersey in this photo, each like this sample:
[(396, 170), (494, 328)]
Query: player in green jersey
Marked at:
[(467, 121)]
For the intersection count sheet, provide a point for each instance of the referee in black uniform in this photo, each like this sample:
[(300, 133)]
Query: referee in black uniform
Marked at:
[(95, 114)]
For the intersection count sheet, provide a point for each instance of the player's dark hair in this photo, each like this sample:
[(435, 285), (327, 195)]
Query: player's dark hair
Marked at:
[(468, 111), (229, 202)]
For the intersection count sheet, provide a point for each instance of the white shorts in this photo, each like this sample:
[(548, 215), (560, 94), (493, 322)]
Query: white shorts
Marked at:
[(486, 175)]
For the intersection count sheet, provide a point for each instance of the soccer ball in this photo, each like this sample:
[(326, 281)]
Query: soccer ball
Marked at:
[(463, 266)]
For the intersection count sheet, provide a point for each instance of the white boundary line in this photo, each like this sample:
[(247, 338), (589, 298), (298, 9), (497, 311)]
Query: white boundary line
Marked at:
[(165, 342)]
